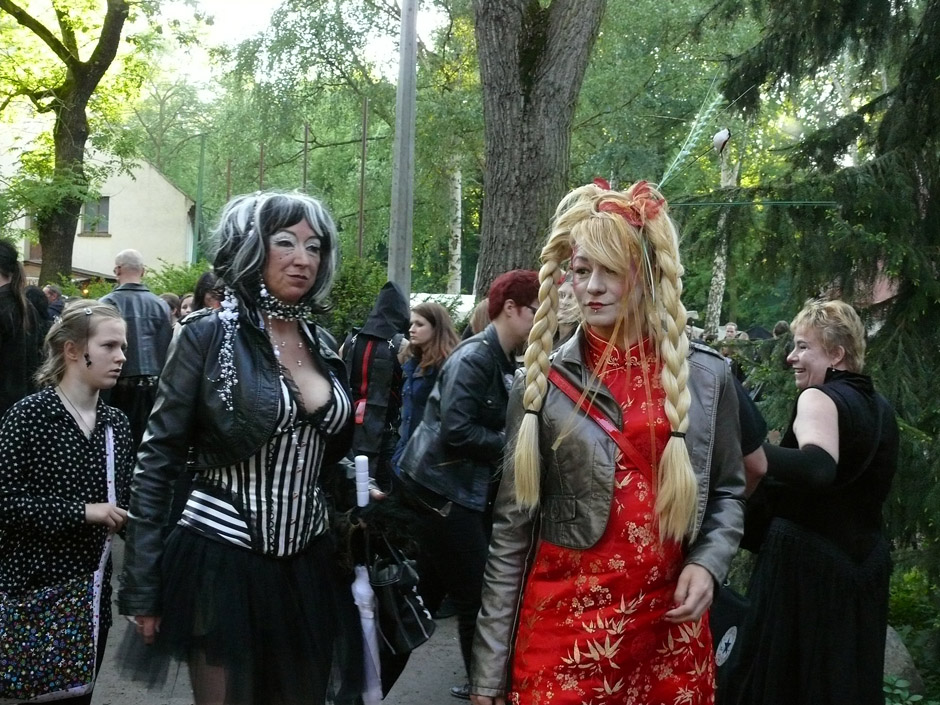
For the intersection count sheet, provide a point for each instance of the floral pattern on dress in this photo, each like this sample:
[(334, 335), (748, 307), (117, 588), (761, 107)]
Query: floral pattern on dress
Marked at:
[(591, 628)]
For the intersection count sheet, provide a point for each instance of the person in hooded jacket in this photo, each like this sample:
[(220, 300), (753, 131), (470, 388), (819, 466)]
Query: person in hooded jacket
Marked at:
[(375, 378)]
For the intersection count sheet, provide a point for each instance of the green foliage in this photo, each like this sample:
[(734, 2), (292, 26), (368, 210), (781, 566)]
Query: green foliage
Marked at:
[(89, 289), (913, 599), (177, 279), (913, 612), (354, 293), (897, 692)]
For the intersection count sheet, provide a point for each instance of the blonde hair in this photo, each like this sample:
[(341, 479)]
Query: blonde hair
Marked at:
[(78, 323), (617, 230), (838, 325)]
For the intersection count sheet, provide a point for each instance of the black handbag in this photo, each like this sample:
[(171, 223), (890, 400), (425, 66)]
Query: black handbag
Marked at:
[(49, 635), (425, 436), (404, 623)]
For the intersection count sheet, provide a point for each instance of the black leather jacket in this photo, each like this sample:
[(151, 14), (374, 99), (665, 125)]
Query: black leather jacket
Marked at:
[(190, 421), (148, 328), (468, 403)]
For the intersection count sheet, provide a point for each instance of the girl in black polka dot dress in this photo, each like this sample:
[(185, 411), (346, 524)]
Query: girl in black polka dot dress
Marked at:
[(54, 509)]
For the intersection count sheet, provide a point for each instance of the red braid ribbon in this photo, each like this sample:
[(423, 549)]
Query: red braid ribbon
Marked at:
[(643, 208)]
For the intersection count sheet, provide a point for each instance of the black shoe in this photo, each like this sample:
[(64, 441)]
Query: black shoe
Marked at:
[(461, 691), (447, 609)]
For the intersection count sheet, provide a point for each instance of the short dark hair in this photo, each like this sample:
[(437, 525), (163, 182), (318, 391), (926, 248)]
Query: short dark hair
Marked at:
[(246, 224), (520, 285)]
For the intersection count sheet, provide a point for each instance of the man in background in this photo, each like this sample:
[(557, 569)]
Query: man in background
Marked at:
[(55, 299), (148, 336)]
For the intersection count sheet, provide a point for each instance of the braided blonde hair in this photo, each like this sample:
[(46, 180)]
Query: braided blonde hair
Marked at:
[(617, 230)]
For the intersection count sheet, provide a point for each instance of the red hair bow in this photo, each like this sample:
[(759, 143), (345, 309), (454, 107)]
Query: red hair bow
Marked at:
[(643, 207)]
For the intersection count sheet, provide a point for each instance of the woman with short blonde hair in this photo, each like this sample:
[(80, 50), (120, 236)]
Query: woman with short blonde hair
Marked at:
[(816, 629)]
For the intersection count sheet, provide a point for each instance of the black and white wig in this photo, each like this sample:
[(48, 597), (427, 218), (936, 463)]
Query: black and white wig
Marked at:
[(241, 242)]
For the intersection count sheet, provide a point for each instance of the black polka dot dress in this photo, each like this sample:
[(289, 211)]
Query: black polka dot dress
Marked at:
[(49, 470)]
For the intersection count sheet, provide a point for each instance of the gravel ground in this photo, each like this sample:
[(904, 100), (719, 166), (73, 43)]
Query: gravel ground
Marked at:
[(432, 670)]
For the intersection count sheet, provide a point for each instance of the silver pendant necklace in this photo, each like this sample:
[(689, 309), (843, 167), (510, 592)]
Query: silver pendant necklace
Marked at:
[(78, 414)]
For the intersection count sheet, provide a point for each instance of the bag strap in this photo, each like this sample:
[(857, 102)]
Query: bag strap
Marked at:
[(596, 415), (112, 493), (366, 359)]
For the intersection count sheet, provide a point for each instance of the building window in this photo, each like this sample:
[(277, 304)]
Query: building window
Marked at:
[(95, 216)]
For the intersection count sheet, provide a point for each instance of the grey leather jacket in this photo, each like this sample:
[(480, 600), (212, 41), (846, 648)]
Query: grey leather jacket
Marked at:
[(577, 483)]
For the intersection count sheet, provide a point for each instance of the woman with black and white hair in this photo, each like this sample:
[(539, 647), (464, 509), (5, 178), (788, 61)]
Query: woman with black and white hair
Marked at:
[(244, 587)]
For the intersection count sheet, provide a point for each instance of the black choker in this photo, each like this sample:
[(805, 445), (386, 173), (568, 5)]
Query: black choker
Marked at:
[(276, 308)]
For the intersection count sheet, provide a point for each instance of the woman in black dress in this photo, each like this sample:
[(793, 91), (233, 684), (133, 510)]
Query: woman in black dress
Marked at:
[(815, 634), (54, 508), (245, 588)]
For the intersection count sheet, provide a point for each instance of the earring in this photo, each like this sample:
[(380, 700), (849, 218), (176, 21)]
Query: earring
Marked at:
[(87, 360)]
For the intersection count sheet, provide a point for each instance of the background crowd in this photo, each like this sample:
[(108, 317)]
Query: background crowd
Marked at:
[(575, 469)]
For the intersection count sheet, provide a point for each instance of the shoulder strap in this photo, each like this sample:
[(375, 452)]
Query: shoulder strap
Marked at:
[(112, 493), (366, 358), (628, 449)]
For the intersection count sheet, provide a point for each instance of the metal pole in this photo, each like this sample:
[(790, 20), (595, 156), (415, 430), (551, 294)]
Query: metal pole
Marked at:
[(228, 180), (362, 171), (261, 170), (197, 235), (306, 153), (402, 203)]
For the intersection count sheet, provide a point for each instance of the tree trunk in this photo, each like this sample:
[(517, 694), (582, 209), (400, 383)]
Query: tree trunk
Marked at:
[(532, 62), (456, 229), (57, 223), (716, 292)]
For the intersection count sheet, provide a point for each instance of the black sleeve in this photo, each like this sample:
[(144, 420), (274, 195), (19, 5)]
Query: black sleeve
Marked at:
[(753, 426), (807, 468)]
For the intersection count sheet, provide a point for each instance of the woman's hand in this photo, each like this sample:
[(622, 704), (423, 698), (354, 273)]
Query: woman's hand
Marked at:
[(486, 700), (147, 627), (694, 593), (106, 513)]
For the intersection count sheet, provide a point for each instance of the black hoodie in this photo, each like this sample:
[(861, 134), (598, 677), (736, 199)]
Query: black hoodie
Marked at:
[(377, 398)]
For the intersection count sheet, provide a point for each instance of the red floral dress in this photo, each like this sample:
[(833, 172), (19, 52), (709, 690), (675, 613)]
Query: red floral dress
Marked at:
[(591, 630)]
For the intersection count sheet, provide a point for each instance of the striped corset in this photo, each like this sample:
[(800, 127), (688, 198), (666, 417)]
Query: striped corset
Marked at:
[(271, 502)]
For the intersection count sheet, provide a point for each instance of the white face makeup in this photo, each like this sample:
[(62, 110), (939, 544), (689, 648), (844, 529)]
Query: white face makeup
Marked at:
[(293, 262), (601, 294)]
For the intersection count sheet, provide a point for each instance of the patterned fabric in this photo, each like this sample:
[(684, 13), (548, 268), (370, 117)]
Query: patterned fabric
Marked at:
[(47, 641), (590, 629), (272, 502), (49, 471)]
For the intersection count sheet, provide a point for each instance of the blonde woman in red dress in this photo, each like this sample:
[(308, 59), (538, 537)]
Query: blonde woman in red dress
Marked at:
[(621, 504)]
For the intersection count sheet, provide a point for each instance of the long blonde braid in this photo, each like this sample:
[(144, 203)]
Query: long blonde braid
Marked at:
[(676, 497), (525, 456)]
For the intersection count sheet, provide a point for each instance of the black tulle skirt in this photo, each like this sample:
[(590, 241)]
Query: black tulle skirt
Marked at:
[(283, 630), (815, 631)]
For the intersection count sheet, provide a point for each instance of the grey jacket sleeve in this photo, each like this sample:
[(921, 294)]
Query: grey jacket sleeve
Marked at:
[(722, 522), (513, 540)]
